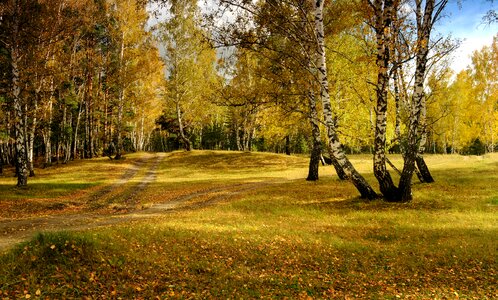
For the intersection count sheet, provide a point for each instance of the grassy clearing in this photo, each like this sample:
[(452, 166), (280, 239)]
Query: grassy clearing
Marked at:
[(291, 239), (60, 188)]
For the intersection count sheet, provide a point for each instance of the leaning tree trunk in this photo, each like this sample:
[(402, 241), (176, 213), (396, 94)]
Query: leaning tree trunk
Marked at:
[(425, 174), (337, 167), (316, 151), (20, 138), (334, 145), (383, 16), (424, 26)]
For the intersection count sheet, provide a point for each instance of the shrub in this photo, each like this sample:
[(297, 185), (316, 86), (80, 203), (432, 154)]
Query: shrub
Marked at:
[(476, 147)]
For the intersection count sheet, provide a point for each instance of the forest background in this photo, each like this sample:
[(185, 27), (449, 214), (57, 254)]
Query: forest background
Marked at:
[(86, 78)]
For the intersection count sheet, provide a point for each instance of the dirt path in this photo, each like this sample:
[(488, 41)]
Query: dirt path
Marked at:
[(127, 176), (15, 231)]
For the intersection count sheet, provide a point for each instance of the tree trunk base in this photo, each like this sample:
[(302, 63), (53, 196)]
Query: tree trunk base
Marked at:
[(314, 163), (22, 181), (366, 191), (424, 170), (404, 189)]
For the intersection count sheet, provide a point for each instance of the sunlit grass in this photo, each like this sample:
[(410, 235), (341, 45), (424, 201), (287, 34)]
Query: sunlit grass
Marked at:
[(59, 186), (290, 238), (61, 179)]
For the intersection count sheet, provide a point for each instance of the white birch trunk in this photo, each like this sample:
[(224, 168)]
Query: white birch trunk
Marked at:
[(20, 138), (383, 13), (425, 174), (334, 146), (78, 119), (424, 26), (186, 141), (31, 135), (121, 93), (48, 138)]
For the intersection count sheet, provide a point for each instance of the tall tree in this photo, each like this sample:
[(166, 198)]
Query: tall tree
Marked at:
[(485, 76), (60, 67), (245, 94), (276, 20), (17, 18), (383, 14), (335, 147), (131, 40), (190, 62), (425, 16)]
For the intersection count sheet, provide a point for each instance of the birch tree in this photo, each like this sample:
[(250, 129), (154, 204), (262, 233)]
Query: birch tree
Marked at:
[(485, 77), (383, 14), (16, 21), (281, 20), (58, 76), (425, 16), (190, 62), (336, 149), (130, 38)]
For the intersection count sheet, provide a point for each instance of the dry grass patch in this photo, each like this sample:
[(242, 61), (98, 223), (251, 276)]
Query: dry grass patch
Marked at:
[(61, 188)]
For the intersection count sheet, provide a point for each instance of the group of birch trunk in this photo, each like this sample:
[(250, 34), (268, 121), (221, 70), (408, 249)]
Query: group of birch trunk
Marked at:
[(386, 23), (78, 77), (304, 25)]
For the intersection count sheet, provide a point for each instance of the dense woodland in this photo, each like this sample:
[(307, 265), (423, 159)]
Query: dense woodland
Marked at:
[(88, 78)]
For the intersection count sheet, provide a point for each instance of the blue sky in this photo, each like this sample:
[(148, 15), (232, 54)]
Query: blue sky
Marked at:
[(465, 22)]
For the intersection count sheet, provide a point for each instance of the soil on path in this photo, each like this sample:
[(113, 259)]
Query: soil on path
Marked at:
[(16, 231)]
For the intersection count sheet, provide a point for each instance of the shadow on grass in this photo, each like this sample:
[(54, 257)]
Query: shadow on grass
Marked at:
[(360, 204)]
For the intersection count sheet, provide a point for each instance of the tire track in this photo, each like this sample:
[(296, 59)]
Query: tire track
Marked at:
[(150, 177), (13, 232), (213, 196), (125, 178)]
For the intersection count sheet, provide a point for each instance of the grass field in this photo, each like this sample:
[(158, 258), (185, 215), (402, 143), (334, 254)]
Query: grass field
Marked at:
[(285, 238)]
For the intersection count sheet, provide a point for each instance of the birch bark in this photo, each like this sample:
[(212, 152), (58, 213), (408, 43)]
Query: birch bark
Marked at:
[(316, 151), (183, 136), (30, 134), (335, 147), (19, 124), (383, 11), (119, 125), (425, 174), (425, 21)]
